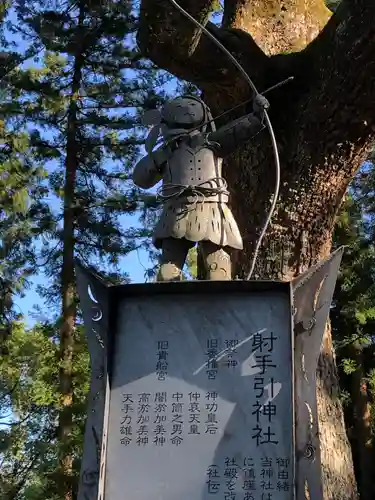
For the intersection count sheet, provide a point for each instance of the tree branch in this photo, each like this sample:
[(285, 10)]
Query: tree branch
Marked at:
[(17, 423), (277, 27), (164, 27), (340, 106), (173, 42), (8, 393)]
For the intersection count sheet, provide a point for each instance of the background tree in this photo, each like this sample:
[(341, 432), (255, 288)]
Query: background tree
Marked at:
[(353, 316), (20, 191), (30, 406), (80, 103), (324, 124)]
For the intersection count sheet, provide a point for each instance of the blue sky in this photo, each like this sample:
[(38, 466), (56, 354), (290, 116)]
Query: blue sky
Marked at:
[(134, 264)]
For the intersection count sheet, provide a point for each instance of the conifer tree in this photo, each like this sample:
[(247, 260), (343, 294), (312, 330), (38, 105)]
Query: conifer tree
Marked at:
[(20, 191), (353, 321), (82, 102)]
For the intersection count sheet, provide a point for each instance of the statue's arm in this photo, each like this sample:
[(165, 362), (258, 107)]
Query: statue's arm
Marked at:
[(228, 138), (149, 170)]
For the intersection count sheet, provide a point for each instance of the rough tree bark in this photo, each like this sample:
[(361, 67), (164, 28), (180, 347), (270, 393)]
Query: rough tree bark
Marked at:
[(324, 123)]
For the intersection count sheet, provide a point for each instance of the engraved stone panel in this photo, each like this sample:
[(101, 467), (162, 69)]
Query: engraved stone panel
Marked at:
[(201, 400)]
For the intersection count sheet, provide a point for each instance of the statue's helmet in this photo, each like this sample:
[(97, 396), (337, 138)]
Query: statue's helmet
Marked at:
[(177, 117), (182, 114)]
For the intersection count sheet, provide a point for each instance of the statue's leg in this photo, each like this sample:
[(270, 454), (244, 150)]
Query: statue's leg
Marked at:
[(217, 261), (173, 257)]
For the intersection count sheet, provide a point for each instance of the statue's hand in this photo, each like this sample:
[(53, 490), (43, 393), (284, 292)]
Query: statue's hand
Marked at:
[(260, 103)]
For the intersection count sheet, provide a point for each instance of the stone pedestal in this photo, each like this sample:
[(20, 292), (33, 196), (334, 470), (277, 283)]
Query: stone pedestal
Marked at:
[(204, 390)]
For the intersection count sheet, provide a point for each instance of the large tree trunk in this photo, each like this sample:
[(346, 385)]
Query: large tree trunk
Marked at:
[(324, 125)]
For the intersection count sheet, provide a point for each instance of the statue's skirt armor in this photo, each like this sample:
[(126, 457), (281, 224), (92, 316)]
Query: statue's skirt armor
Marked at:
[(197, 221)]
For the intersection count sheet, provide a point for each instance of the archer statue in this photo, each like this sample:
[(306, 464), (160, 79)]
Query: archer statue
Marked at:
[(193, 191)]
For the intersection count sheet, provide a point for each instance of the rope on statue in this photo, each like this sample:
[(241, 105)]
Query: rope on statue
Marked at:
[(199, 192), (268, 123)]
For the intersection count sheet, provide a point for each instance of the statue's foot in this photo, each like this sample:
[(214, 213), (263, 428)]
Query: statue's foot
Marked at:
[(169, 272), (218, 266)]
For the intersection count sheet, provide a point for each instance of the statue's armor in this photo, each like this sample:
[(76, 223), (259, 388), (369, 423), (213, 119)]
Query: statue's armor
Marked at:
[(195, 166), (194, 193), (195, 197)]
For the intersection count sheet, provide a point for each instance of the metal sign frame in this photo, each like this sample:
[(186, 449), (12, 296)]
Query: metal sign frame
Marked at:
[(310, 298)]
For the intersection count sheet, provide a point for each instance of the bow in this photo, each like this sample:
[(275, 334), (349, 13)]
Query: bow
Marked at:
[(268, 124)]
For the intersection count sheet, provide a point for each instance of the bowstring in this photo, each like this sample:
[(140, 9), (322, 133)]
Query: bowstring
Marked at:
[(275, 195)]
